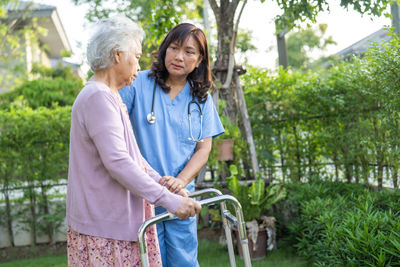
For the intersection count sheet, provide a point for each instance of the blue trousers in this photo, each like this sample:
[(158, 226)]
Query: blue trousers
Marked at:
[(178, 242)]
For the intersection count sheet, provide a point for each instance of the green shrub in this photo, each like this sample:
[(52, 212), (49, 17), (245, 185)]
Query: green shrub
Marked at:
[(34, 146), (45, 92), (345, 224), (332, 124), (56, 87)]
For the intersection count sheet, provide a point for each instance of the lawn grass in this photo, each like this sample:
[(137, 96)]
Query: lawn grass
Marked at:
[(215, 255), (211, 254), (45, 261)]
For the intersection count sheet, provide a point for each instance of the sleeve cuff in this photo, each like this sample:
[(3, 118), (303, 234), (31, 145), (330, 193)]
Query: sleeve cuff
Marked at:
[(170, 201)]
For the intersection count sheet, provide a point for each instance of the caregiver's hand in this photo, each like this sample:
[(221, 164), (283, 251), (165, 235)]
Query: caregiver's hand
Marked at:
[(184, 192), (172, 184), (188, 208)]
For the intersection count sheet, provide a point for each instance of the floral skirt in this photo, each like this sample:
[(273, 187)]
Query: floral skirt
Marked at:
[(85, 250)]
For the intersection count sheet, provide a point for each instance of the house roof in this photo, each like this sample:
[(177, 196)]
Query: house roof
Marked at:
[(13, 6), (361, 46), (48, 18)]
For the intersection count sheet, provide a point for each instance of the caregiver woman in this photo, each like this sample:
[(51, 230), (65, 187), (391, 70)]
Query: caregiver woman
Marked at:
[(174, 120), (110, 185)]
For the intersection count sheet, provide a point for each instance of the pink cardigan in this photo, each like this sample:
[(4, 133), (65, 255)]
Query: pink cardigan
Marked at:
[(106, 182)]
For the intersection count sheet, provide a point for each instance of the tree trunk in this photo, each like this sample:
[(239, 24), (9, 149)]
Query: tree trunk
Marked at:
[(335, 160), (348, 172), (356, 173), (387, 172), (379, 154), (224, 68), (247, 125), (9, 218), (225, 23), (271, 172), (380, 174), (50, 225), (311, 171), (347, 164), (246, 160), (298, 157), (283, 168), (395, 177), (364, 169), (32, 207)]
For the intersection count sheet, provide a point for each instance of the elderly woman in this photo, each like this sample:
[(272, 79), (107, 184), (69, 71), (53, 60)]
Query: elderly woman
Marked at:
[(111, 188)]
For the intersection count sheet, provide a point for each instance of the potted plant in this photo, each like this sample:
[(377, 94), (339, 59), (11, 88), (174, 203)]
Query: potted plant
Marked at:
[(227, 149), (225, 144), (256, 199)]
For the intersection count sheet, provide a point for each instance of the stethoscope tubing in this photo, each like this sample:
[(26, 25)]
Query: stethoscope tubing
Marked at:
[(191, 138), (151, 118)]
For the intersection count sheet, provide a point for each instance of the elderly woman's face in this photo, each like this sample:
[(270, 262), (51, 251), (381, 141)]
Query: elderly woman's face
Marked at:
[(129, 65)]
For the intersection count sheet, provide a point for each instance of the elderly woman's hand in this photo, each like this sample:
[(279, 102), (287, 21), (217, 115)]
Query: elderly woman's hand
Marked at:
[(173, 184), (188, 208)]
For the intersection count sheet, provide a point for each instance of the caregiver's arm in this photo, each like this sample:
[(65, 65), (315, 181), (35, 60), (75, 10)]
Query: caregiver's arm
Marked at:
[(192, 168)]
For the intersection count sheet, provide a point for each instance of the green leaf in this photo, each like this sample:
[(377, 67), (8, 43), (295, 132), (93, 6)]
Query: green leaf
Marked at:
[(256, 192)]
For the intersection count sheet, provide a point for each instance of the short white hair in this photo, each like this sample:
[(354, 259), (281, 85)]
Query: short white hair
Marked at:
[(117, 33)]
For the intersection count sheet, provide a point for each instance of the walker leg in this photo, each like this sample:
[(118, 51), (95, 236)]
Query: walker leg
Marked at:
[(228, 235), (143, 254), (243, 236), (246, 253)]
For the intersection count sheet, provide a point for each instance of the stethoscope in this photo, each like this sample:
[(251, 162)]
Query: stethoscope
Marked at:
[(151, 117)]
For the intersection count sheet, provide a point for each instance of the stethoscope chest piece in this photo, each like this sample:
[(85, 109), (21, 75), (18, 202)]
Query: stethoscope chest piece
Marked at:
[(151, 118)]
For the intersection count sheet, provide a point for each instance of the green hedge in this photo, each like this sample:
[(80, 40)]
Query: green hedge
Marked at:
[(336, 124), (336, 224), (34, 146), (35, 140), (45, 92)]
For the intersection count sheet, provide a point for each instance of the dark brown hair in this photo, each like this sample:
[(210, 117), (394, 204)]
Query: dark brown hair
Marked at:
[(200, 79)]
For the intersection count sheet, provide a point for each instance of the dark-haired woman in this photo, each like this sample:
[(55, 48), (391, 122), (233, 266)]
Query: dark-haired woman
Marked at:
[(174, 120)]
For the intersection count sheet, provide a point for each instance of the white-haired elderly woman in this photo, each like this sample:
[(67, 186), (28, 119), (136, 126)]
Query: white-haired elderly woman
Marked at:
[(111, 188)]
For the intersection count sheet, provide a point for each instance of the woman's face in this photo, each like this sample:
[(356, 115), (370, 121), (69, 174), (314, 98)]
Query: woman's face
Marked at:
[(180, 60), (129, 65)]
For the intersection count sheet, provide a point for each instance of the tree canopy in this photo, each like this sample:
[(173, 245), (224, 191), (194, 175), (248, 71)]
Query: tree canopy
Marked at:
[(295, 11), (301, 43), (16, 29)]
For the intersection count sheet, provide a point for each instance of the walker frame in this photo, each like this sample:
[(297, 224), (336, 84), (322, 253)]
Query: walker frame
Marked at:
[(227, 219)]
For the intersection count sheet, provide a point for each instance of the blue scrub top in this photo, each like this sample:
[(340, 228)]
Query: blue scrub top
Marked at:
[(165, 143)]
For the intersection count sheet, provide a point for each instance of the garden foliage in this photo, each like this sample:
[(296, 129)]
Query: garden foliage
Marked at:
[(337, 224), (336, 124), (257, 198), (34, 157), (34, 146), (56, 87)]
